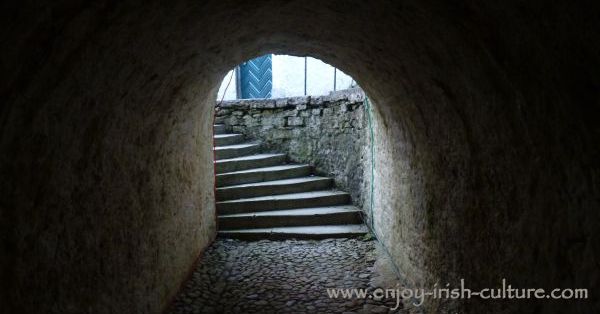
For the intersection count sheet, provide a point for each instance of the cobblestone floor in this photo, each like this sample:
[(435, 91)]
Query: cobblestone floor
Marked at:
[(281, 277)]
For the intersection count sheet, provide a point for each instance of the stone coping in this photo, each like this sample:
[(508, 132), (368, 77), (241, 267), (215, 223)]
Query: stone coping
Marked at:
[(350, 96)]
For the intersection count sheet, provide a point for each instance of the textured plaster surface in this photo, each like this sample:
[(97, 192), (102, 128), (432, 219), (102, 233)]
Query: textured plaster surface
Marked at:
[(487, 140)]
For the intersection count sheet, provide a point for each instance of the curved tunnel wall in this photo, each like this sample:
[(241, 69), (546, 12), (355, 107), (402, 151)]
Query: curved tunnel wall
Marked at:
[(486, 156)]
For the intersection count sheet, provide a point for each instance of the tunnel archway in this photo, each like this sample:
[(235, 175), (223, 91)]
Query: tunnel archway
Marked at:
[(106, 132), (304, 153)]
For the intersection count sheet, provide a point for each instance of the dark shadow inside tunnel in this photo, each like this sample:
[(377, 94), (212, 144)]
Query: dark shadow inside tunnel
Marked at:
[(486, 162)]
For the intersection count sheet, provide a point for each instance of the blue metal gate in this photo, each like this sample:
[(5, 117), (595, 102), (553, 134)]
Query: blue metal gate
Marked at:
[(256, 78)]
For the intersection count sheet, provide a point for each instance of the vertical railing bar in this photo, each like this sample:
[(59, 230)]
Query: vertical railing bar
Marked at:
[(305, 63), (334, 78), (238, 83)]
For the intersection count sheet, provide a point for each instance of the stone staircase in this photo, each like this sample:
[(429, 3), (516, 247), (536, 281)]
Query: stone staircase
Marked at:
[(259, 196)]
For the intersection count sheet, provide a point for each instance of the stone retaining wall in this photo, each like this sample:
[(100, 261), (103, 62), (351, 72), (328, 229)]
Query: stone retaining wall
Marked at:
[(329, 132)]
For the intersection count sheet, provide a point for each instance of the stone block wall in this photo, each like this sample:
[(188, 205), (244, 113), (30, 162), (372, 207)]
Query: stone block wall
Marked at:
[(328, 132)]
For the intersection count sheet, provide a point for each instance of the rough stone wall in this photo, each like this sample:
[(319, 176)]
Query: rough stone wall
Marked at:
[(327, 132), (486, 140)]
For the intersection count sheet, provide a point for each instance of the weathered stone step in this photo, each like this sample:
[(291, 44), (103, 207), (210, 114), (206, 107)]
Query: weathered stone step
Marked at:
[(307, 232), (234, 151), (228, 139), (248, 162), (220, 120), (332, 215), (219, 129), (284, 201), (262, 174), (286, 186)]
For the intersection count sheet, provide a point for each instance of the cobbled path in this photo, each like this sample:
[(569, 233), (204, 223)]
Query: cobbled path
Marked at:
[(280, 277)]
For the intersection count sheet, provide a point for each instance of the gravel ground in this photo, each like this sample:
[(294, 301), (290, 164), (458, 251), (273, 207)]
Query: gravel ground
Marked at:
[(281, 277)]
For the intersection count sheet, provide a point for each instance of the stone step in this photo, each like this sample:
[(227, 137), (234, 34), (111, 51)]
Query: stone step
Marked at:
[(284, 201), (262, 174), (219, 129), (286, 186), (248, 162), (234, 151), (306, 232), (220, 120), (228, 139), (332, 215)]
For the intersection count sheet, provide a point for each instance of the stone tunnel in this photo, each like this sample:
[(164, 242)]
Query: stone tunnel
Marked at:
[(487, 127)]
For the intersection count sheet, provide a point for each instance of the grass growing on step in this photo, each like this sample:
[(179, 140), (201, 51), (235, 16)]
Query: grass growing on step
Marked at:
[(368, 237)]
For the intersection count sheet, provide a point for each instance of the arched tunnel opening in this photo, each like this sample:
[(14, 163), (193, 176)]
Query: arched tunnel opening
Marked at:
[(487, 150), (293, 154)]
